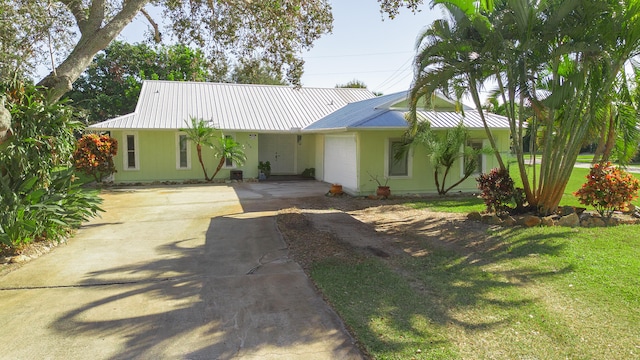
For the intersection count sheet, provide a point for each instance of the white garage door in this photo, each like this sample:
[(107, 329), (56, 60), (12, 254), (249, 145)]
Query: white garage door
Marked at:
[(340, 161)]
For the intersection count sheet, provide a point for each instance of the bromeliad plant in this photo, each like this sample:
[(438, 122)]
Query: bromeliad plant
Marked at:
[(94, 155), (608, 188)]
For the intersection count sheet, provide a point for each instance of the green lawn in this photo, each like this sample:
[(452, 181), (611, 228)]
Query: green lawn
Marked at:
[(537, 293), (541, 293), (582, 158), (469, 204), (578, 177)]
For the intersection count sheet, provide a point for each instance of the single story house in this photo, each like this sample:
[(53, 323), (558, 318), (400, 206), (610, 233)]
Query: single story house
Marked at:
[(345, 135)]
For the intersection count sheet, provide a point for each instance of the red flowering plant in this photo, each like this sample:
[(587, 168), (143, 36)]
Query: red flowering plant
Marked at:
[(608, 188), (94, 155), (497, 190)]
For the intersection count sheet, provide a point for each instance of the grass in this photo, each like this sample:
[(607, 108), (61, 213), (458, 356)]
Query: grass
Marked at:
[(582, 158), (536, 293), (540, 293), (470, 204), (578, 177)]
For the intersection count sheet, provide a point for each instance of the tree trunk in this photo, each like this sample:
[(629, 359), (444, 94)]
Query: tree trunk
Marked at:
[(199, 149), (611, 139), (222, 160), (93, 39), (492, 141), (435, 175)]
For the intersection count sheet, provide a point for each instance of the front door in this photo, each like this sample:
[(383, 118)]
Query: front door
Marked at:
[(280, 151)]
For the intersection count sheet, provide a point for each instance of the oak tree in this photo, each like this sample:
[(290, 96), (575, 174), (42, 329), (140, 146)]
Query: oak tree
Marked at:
[(76, 30)]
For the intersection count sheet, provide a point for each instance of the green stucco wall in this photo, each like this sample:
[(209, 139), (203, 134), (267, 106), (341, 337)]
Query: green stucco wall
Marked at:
[(372, 153), (157, 158), (319, 156), (306, 153)]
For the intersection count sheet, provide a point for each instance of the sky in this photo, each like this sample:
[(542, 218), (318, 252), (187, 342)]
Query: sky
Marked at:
[(362, 46)]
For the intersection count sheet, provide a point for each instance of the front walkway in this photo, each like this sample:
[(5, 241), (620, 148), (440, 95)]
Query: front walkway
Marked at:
[(188, 272)]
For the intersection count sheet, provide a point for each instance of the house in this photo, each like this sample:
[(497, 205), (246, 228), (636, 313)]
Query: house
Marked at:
[(346, 135)]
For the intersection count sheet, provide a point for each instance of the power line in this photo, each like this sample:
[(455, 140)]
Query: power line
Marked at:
[(404, 67), (356, 55), (351, 72), (395, 83)]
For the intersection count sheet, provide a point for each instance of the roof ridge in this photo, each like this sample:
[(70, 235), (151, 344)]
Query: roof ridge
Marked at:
[(253, 85)]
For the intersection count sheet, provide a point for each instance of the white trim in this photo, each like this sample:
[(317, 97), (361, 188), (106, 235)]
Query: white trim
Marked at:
[(483, 165), (233, 165), (178, 167), (136, 151), (387, 149), (485, 143)]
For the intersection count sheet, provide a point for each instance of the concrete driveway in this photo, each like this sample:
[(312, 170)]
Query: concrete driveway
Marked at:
[(191, 272)]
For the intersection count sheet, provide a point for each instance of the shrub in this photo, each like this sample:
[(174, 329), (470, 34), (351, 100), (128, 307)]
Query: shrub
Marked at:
[(31, 212), (37, 197), (94, 155), (608, 188), (497, 190)]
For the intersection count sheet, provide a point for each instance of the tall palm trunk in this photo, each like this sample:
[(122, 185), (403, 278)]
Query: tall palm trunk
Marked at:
[(611, 138), (606, 141), (220, 164), (199, 149)]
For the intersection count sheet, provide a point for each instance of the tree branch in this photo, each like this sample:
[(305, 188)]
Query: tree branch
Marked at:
[(93, 40), (157, 36), (96, 15), (79, 13)]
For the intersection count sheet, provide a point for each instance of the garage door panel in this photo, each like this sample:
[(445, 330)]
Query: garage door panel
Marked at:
[(340, 160)]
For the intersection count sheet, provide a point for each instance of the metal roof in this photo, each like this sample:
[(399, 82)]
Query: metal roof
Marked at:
[(238, 107), (471, 119), (355, 113), (379, 113)]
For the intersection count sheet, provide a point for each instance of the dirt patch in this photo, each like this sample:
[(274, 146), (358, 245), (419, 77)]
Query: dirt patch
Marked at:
[(308, 245), (321, 228)]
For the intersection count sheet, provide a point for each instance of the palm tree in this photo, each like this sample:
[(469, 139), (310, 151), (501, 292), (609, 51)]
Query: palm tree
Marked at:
[(444, 151), (452, 58), (573, 49), (201, 133), (618, 131), (228, 149)]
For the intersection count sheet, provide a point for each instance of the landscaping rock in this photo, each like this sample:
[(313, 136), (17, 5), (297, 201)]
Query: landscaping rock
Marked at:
[(588, 220), (491, 219), (566, 210), (531, 221), (548, 220), (19, 259), (474, 216), (509, 221), (571, 220)]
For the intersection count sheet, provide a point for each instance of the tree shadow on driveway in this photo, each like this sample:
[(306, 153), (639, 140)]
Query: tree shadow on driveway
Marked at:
[(236, 294)]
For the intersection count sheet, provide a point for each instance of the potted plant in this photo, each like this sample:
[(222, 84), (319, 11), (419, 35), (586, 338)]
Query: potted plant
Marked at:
[(336, 189), (383, 190), (264, 169)]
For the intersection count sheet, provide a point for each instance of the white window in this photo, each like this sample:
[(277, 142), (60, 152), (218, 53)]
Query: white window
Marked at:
[(183, 152), (477, 144), (228, 163), (397, 167), (131, 156)]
